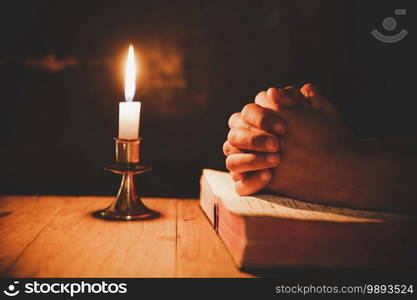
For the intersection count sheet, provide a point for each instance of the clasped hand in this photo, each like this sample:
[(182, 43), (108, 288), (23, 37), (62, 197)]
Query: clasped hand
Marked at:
[(289, 141)]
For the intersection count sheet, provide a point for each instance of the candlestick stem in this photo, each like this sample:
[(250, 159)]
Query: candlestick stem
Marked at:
[(127, 205), (127, 201)]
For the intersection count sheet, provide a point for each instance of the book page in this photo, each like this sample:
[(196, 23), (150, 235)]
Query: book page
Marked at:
[(276, 206)]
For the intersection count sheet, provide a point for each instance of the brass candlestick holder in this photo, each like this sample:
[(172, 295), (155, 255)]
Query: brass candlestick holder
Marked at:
[(127, 205)]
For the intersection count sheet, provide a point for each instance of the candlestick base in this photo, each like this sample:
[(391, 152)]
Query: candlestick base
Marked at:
[(127, 206)]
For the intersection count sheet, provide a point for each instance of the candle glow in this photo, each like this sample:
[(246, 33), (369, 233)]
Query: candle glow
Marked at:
[(130, 75), (129, 111)]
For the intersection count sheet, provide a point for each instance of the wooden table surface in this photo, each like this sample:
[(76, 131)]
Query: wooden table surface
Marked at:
[(50, 236)]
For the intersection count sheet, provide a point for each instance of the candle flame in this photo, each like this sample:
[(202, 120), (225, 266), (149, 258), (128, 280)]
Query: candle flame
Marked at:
[(130, 75)]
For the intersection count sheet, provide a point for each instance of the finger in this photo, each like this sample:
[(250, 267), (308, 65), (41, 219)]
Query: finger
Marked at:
[(316, 99), (235, 120), (253, 183), (246, 139), (238, 176), (263, 118), (292, 96), (263, 100), (229, 149), (319, 102), (275, 99), (247, 162)]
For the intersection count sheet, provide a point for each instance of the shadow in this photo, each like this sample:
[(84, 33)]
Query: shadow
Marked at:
[(323, 273), (149, 215), (5, 214)]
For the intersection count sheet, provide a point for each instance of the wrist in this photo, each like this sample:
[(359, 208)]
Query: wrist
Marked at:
[(352, 166), (365, 178)]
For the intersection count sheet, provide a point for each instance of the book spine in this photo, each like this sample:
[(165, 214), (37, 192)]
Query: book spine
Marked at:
[(216, 216), (209, 203)]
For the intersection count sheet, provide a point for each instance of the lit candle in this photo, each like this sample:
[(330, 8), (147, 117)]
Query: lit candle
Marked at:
[(129, 111)]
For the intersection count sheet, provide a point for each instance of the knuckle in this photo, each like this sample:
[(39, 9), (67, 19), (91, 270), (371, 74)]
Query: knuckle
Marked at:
[(263, 119), (255, 140), (260, 94), (260, 141), (233, 119), (252, 158), (230, 163), (308, 89), (232, 137), (255, 115), (280, 127), (240, 188), (308, 86), (236, 176), (273, 91), (246, 111), (226, 148)]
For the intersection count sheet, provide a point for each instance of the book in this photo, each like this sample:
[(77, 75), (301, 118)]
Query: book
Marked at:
[(266, 231)]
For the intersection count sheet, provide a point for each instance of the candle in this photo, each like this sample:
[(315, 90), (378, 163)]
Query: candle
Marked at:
[(129, 111)]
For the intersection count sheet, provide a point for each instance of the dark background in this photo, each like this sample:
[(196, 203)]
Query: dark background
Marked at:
[(61, 81)]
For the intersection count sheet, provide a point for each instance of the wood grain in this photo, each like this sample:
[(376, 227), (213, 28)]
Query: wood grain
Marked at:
[(200, 252), (22, 218), (58, 237)]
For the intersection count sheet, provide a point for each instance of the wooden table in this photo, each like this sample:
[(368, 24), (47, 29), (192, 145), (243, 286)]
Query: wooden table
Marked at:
[(50, 236)]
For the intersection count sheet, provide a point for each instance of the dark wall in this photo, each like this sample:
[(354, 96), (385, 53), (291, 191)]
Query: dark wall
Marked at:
[(61, 78)]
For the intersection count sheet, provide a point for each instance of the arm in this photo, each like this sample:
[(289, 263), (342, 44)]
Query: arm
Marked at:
[(381, 174), (319, 159)]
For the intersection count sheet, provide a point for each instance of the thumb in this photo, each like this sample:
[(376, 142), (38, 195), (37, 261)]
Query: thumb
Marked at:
[(319, 102), (275, 99)]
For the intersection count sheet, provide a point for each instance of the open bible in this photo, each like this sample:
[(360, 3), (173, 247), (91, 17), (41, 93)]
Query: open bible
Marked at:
[(271, 231)]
